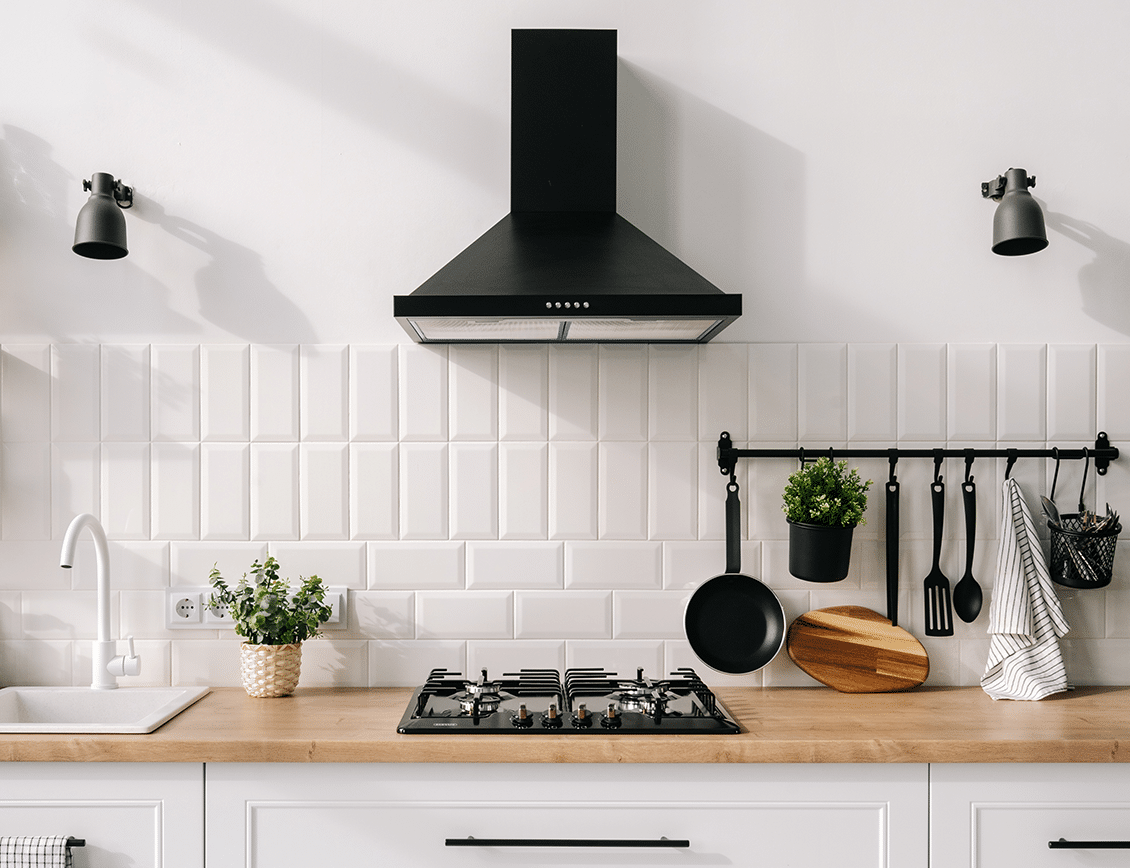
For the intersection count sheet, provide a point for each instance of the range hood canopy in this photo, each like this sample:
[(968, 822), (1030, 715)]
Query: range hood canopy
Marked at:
[(563, 266)]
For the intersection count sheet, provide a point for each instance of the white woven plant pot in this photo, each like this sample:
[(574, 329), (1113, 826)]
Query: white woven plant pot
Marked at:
[(270, 670)]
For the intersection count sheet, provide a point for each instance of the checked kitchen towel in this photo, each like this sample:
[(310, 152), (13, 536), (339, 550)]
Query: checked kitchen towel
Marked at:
[(1025, 618), (35, 851)]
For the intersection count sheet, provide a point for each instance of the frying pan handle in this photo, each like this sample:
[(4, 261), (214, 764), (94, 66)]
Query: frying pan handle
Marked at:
[(733, 529)]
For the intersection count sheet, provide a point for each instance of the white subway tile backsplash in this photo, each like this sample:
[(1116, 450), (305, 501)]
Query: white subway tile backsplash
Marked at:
[(474, 490), (822, 381), (622, 392), (872, 393), (515, 565), (76, 471), (609, 565), (573, 490), (225, 392), (174, 380), (225, 491), (523, 497), (672, 392), (373, 376), (465, 615), (648, 614), (773, 379), (323, 476), (672, 483), (75, 401), (473, 384), (723, 391), (274, 392), (274, 491), (374, 486), (520, 505), (971, 383), (573, 404), (176, 490), (1113, 378), (1071, 392), (25, 490), (422, 392), (423, 491), (125, 392), (523, 392), (622, 490), (1022, 392), (125, 490), (25, 392), (563, 614), (323, 392), (340, 564), (922, 392), (416, 565)]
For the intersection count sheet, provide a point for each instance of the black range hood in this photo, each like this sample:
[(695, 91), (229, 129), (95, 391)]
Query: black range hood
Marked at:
[(563, 266)]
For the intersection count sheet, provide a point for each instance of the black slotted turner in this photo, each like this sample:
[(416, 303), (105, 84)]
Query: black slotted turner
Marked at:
[(939, 609)]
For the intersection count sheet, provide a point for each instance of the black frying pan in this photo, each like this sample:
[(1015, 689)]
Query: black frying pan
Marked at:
[(733, 622)]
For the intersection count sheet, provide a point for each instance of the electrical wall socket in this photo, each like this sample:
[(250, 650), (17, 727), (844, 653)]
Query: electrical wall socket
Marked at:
[(188, 608)]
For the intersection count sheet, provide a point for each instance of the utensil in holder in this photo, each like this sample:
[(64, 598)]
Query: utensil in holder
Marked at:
[(1082, 550)]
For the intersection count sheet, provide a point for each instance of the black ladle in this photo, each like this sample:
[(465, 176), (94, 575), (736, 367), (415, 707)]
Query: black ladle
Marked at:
[(967, 596)]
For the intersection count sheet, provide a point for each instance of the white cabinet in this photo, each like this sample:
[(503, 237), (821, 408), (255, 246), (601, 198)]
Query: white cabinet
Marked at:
[(999, 816), (131, 815), (278, 816)]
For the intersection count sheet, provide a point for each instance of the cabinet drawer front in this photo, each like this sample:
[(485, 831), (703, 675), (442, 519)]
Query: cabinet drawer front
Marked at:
[(438, 834), (1018, 834)]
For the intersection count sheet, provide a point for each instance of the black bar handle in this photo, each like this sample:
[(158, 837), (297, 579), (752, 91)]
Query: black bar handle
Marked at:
[(1063, 844), (566, 842), (76, 842)]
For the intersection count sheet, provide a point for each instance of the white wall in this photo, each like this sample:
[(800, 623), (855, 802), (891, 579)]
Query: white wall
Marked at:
[(297, 164)]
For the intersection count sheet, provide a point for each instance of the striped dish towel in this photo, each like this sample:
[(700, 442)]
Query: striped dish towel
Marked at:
[(1025, 618), (35, 851)]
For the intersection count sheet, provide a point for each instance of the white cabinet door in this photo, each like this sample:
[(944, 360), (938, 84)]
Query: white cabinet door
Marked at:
[(999, 816), (272, 816), (131, 815)]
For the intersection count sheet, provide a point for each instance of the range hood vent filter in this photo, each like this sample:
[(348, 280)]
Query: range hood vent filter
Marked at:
[(563, 266)]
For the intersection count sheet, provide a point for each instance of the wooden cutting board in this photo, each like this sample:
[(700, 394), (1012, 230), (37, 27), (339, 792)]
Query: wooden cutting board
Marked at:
[(856, 650)]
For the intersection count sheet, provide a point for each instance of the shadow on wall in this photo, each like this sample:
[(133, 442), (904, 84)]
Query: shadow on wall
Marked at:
[(232, 289), (49, 290), (1103, 280)]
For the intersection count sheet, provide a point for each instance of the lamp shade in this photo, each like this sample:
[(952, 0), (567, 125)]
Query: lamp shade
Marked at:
[(1018, 224), (100, 231)]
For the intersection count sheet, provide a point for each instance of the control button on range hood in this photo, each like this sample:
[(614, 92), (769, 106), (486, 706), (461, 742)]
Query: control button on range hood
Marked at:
[(563, 266)]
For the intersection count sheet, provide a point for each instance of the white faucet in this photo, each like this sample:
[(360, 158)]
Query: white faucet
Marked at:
[(107, 666)]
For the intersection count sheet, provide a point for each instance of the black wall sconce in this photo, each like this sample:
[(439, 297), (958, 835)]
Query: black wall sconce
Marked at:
[(1018, 224), (100, 232)]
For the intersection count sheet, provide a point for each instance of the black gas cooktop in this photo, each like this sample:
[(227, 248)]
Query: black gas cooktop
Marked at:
[(586, 701)]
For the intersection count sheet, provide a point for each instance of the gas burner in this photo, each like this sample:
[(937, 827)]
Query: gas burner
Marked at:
[(479, 697), (533, 701)]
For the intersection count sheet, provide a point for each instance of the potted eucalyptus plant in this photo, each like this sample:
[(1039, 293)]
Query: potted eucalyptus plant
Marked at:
[(823, 503), (273, 621)]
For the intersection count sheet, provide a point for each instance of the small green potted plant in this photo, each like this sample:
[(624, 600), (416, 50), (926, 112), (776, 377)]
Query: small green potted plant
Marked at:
[(823, 503), (273, 621)]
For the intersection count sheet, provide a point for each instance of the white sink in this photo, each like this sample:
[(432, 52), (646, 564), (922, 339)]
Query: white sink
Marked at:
[(83, 709)]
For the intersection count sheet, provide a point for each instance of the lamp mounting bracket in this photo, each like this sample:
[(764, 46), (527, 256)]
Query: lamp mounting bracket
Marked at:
[(123, 194), (995, 189)]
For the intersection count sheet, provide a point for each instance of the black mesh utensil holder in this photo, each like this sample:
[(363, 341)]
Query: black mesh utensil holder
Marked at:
[(1081, 557)]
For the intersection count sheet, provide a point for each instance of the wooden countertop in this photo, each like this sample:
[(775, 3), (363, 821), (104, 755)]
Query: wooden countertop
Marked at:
[(792, 725)]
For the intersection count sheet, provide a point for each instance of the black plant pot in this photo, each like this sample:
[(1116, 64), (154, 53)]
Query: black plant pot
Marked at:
[(818, 553)]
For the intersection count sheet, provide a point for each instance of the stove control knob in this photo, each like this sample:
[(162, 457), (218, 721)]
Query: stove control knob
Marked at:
[(582, 719), (551, 719), (523, 719), (611, 719)]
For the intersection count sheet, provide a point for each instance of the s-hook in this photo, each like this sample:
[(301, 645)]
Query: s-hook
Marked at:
[(938, 458), (893, 458), (1012, 456), (968, 466)]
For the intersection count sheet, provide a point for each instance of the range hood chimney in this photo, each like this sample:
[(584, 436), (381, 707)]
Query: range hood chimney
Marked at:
[(563, 266)]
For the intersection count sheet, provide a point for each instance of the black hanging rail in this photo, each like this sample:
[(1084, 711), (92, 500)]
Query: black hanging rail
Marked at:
[(1102, 453)]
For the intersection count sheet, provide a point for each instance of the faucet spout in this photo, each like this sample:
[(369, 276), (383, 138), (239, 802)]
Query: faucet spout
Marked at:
[(104, 646)]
